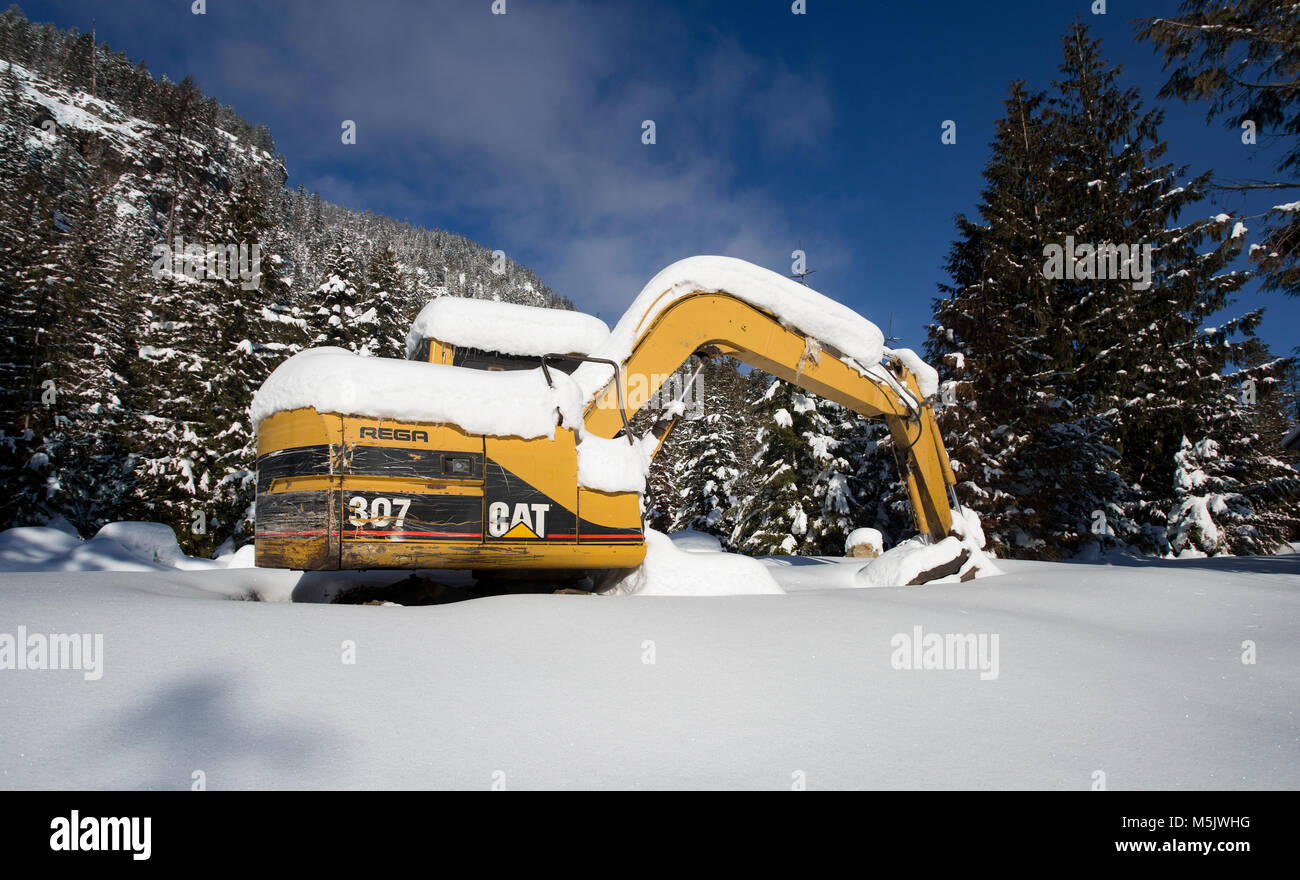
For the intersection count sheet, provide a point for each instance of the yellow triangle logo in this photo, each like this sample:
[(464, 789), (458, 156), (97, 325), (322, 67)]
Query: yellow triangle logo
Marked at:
[(519, 530)]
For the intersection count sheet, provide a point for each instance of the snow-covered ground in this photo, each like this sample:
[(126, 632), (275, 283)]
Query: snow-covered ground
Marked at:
[(1133, 669)]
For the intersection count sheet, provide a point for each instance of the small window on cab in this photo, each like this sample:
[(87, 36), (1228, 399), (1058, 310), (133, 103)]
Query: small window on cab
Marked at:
[(423, 352)]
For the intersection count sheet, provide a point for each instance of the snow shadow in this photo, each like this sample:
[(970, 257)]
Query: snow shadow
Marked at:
[(1276, 565), (210, 722), (406, 587), (802, 560)]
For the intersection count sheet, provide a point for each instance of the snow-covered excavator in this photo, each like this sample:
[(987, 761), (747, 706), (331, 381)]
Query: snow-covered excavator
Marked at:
[(502, 442)]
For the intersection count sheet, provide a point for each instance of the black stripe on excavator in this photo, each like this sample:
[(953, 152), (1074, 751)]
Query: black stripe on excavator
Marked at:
[(369, 461), (420, 464), (297, 461), (592, 533), (516, 510), (294, 514), (384, 516)]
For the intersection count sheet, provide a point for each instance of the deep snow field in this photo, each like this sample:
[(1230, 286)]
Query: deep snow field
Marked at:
[(1132, 669)]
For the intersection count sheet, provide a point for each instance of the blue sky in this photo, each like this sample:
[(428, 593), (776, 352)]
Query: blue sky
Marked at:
[(523, 131)]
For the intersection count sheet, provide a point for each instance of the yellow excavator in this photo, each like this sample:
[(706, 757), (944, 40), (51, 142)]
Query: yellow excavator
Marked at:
[(347, 479)]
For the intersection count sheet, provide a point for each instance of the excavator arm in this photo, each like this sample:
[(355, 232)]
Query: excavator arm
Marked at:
[(710, 324)]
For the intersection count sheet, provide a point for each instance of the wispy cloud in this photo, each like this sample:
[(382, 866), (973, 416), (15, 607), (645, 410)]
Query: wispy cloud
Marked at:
[(528, 125)]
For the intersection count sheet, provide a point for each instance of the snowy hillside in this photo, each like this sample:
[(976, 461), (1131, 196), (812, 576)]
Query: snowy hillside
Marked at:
[(154, 269), (47, 122), (100, 132)]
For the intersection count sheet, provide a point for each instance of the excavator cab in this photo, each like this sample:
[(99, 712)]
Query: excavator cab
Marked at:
[(432, 351), (501, 444)]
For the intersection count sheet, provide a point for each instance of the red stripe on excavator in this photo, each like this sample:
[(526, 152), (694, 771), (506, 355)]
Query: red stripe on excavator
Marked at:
[(393, 534)]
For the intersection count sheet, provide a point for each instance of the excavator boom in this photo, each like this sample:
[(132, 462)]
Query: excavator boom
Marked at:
[(716, 323)]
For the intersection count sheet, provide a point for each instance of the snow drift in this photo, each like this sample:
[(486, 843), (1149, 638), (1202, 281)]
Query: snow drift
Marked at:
[(927, 377), (509, 403), (865, 537), (506, 327), (557, 691), (120, 546), (614, 465), (794, 304), (669, 570), (959, 557)]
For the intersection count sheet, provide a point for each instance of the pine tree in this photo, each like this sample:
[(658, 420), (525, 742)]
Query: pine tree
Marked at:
[(1234, 489), (774, 520), (383, 293), (194, 469), (175, 469), (660, 500), (993, 332), (1243, 58), (1208, 503), (336, 299), (710, 460), (881, 496), (184, 168), (94, 334), (1102, 365), (33, 259), (1140, 358), (707, 469), (803, 502), (836, 488), (254, 332)]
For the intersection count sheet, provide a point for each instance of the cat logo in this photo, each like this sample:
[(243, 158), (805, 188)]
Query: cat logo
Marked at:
[(526, 521)]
